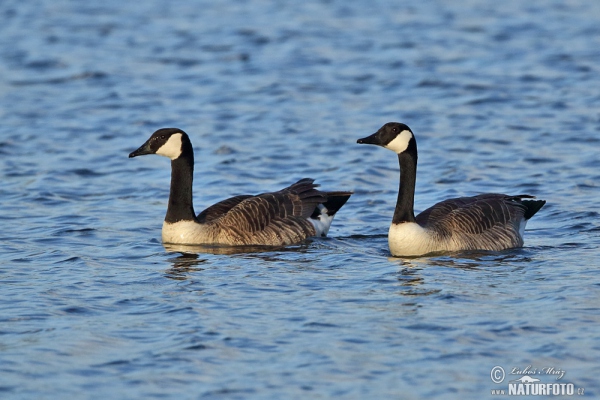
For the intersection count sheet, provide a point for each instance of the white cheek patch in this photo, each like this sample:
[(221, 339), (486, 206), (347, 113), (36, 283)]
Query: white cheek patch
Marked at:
[(400, 142), (172, 148)]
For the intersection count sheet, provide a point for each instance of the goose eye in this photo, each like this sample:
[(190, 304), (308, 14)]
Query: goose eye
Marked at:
[(163, 137), (395, 130)]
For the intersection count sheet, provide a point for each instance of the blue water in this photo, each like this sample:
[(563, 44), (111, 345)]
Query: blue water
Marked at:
[(502, 97)]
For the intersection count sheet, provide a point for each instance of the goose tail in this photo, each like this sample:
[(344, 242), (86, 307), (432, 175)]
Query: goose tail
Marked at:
[(532, 207)]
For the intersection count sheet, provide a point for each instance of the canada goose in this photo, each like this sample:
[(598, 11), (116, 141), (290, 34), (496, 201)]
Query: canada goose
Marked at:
[(273, 219), (485, 222)]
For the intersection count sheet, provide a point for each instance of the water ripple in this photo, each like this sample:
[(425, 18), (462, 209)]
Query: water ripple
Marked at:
[(270, 93)]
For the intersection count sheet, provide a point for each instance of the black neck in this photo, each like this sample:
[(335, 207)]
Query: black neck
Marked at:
[(181, 207), (406, 194)]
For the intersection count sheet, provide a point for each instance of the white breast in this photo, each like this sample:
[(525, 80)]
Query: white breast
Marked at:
[(184, 232), (410, 239)]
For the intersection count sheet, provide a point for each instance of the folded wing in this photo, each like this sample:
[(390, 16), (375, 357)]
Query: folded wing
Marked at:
[(277, 218), (491, 221)]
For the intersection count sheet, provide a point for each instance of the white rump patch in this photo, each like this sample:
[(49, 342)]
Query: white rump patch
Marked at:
[(322, 222), (522, 225), (400, 142), (172, 148)]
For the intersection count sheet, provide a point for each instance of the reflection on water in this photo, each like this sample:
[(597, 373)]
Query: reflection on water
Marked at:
[(183, 265), (471, 259), (219, 249)]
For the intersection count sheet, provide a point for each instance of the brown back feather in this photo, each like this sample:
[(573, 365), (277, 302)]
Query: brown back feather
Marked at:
[(484, 221), (276, 218), (218, 209)]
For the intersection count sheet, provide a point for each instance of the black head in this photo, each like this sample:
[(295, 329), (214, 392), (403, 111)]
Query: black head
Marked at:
[(394, 136), (168, 142)]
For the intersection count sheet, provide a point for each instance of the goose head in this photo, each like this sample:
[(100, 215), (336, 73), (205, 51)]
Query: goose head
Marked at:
[(167, 142), (394, 136)]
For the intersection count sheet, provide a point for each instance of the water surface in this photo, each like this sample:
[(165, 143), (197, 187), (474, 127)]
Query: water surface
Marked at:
[(502, 98)]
